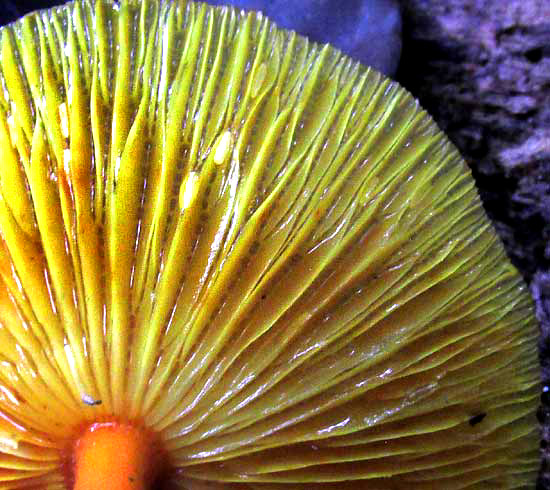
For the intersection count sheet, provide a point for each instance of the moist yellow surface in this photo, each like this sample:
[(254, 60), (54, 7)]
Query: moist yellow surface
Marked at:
[(263, 251)]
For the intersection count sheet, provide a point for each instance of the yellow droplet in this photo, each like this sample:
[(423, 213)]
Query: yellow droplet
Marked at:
[(188, 191), (223, 148)]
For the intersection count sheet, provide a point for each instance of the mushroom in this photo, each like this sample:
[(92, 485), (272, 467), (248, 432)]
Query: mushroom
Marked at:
[(234, 259)]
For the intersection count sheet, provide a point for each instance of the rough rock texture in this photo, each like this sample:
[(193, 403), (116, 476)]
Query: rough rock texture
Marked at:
[(482, 69)]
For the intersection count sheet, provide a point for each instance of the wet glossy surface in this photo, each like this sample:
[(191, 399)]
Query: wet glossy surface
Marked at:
[(263, 251)]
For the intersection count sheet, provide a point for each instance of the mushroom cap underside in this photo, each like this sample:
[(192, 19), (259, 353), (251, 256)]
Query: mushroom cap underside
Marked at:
[(259, 250)]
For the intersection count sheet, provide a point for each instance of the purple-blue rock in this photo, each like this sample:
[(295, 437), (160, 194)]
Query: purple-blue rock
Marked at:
[(367, 30)]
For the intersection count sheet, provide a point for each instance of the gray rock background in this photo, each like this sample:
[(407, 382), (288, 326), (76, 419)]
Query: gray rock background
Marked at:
[(482, 69)]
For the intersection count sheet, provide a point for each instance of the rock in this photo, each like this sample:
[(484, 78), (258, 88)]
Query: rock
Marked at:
[(367, 30)]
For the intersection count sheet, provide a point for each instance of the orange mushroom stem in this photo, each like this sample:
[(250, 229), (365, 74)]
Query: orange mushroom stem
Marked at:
[(114, 456)]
